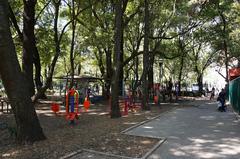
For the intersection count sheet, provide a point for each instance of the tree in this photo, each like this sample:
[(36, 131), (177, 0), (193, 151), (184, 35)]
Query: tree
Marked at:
[(115, 110), (201, 58), (74, 24), (220, 17), (29, 44), (145, 105), (30, 52), (57, 41), (28, 126)]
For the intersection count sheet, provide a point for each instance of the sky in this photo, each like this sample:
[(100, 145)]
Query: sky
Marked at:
[(212, 77)]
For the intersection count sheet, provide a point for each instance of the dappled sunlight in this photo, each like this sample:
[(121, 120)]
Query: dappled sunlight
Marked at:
[(92, 113), (177, 152), (217, 131), (145, 142), (219, 123), (207, 148), (195, 133), (45, 109), (130, 123), (128, 148), (148, 127), (103, 113), (175, 103), (46, 112), (10, 154), (210, 103), (137, 114), (200, 141), (208, 117)]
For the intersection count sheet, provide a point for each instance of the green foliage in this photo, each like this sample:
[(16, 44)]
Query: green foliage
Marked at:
[(195, 22)]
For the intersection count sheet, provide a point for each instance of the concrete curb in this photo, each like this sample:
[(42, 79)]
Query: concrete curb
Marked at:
[(154, 148), (94, 152), (149, 136), (108, 154), (71, 154)]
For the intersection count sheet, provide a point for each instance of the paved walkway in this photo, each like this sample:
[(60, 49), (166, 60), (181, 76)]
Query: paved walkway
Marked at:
[(194, 133)]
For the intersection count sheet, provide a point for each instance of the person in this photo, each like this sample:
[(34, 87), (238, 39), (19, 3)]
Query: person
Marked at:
[(207, 91), (97, 88), (221, 98), (177, 90), (170, 85), (163, 92), (212, 93)]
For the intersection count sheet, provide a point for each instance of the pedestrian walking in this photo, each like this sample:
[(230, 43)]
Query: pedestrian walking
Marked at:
[(212, 93)]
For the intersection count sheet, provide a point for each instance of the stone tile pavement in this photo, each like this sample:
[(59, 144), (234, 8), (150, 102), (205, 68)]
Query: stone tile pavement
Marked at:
[(199, 132)]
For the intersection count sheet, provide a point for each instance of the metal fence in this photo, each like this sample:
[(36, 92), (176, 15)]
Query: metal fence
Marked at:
[(234, 94)]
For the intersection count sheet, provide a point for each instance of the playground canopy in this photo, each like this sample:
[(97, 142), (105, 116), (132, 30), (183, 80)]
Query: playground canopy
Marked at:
[(80, 78)]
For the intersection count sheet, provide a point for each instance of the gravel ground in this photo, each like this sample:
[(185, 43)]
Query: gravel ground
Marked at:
[(94, 130)]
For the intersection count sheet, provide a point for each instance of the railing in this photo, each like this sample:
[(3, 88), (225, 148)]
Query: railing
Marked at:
[(234, 94)]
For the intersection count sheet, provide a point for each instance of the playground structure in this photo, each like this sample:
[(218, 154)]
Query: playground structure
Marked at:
[(127, 103), (87, 86), (86, 104), (55, 108), (72, 101)]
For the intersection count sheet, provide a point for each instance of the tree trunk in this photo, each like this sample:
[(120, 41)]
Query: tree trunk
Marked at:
[(225, 47), (121, 72), (29, 43), (145, 105), (180, 73), (28, 126), (100, 61), (150, 71), (115, 110), (200, 82), (37, 64), (181, 64), (226, 60), (36, 58), (72, 45), (136, 78), (108, 77)]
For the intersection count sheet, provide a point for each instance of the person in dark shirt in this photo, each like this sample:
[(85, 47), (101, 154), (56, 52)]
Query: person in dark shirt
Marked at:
[(221, 98), (170, 85)]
